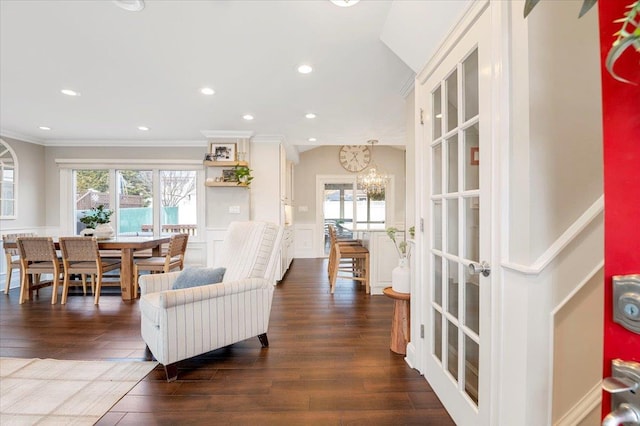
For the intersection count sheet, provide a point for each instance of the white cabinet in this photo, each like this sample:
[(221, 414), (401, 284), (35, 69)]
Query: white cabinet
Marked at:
[(288, 182), (286, 254), (269, 199)]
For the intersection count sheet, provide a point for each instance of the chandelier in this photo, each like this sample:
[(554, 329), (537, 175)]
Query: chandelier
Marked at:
[(373, 181), (344, 3)]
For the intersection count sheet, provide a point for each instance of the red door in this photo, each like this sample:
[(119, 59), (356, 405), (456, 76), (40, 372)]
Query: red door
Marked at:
[(621, 126)]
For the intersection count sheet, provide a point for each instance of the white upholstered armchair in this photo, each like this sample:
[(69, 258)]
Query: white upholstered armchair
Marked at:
[(180, 324)]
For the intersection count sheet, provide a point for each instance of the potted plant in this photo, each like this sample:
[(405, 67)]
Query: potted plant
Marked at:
[(242, 174), (97, 221)]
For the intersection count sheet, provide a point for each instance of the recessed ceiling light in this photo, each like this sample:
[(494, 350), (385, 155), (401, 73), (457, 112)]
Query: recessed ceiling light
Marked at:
[(143, 128), (310, 115), (44, 128), (130, 5), (344, 3), (69, 92), (312, 139), (207, 91), (305, 69), (248, 117)]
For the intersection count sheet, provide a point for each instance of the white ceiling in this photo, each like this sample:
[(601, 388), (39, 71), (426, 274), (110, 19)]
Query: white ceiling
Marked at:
[(146, 68)]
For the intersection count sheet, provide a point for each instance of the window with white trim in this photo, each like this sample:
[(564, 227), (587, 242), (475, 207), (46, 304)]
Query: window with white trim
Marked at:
[(8, 182), (146, 199)]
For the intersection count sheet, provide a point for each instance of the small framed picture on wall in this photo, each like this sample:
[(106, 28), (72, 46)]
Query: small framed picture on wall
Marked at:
[(222, 151), (474, 156)]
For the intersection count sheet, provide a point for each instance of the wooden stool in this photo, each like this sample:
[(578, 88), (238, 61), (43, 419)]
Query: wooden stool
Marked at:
[(359, 271), (346, 263), (401, 322)]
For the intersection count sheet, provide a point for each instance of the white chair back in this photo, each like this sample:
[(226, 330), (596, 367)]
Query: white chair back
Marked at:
[(250, 250)]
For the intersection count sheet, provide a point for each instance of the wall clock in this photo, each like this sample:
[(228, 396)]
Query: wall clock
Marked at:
[(355, 158)]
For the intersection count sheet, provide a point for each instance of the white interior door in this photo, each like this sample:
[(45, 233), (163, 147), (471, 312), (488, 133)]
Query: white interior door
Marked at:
[(456, 198)]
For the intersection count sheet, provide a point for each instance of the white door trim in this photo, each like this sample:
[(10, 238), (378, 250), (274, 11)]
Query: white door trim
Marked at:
[(501, 34)]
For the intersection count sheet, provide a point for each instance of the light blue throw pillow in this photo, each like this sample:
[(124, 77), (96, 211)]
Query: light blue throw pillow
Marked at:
[(194, 277)]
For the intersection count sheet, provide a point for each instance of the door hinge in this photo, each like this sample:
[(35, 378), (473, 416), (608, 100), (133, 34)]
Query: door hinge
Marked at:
[(422, 331), (421, 116), (421, 225)]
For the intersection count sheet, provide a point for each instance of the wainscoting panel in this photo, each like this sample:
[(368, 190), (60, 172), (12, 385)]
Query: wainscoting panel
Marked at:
[(554, 287), (305, 235)]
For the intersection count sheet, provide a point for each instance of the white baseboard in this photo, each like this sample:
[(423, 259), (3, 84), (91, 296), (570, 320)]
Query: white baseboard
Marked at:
[(586, 405)]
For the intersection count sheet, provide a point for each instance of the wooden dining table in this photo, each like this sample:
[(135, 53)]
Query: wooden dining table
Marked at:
[(126, 246)]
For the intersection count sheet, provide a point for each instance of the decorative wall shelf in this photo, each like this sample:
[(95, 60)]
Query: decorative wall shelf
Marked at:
[(231, 184), (225, 163)]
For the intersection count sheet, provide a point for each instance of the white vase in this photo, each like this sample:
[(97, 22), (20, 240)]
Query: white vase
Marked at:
[(104, 231), (401, 277)]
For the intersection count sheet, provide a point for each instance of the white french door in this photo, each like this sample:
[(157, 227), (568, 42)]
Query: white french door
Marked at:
[(456, 202)]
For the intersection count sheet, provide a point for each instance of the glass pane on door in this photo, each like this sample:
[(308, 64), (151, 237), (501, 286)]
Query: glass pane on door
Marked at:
[(179, 207), (452, 349), (472, 229), (91, 189), (437, 280), (452, 164), (471, 363), (135, 201), (337, 208), (437, 113), (436, 169), (437, 335), (470, 82), (437, 224), (452, 101), (472, 157), (472, 302)]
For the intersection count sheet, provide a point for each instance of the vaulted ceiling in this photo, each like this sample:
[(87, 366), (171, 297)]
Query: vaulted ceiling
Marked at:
[(147, 68)]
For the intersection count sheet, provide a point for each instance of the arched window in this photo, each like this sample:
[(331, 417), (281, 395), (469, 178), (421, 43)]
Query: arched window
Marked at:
[(8, 182)]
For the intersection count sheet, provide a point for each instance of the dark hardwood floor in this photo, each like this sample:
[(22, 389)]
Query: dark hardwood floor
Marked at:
[(328, 362)]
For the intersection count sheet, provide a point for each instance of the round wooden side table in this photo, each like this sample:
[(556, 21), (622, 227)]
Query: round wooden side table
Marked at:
[(401, 322)]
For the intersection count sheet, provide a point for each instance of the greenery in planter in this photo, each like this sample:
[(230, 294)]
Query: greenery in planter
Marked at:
[(242, 174), (628, 36), (96, 216)]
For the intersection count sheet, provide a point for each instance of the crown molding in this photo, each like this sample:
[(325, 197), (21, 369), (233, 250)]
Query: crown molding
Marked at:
[(408, 86), (269, 138), (125, 143), (242, 134), (18, 136)]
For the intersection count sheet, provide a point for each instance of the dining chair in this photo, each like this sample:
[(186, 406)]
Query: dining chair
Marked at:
[(173, 259), (12, 255), (81, 256), (38, 256)]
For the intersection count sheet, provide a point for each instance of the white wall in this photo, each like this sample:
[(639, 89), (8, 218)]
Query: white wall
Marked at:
[(412, 34), (554, 231), (557, 115), (31, 186)]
